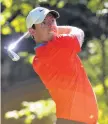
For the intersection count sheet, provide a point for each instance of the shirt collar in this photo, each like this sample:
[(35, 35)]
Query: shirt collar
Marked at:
[(39, 45)]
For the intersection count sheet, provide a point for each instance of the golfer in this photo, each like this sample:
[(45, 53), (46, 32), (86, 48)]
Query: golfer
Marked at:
[(60, 69)]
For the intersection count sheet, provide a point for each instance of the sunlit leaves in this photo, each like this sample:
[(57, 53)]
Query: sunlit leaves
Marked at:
[(29, 119), (94, 68), (95, 5), (103, 112), (23, 54), (21, 112), (53, 2), (25, 8), (43, 1), (94, 62), (98, 6), (96, 59), (28, 58), (12, 114), (32, 110), (4, 16), (6, 30), (7, 3), (15, 7), (60, 4), (7, 13), (106, 81), (19, 24), (99, 89), (2, 19), (102, 12), (106, 53), (106, 4)]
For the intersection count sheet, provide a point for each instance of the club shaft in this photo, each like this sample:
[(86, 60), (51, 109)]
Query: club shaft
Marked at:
[(21, 38)]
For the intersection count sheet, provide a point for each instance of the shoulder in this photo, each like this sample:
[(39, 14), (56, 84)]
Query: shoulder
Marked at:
[(66, 37), (62, 36)]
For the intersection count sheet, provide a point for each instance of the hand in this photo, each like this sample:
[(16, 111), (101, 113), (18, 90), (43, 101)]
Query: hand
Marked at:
[(63, 29)]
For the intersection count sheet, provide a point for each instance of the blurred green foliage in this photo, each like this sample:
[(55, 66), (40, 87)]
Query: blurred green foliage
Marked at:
[(94, 61), (11, 21), (94, 67), (33, 110)]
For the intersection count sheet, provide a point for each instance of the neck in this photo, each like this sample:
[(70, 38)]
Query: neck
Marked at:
[(43, 41)]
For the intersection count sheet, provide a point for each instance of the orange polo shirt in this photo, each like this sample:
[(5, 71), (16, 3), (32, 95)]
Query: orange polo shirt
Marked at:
[(63, 74)]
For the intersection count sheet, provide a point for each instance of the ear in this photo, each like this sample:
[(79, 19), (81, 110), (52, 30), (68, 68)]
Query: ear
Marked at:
[(32, 31)]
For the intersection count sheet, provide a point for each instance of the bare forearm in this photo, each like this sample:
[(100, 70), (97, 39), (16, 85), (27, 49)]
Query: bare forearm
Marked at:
[(79, 33)]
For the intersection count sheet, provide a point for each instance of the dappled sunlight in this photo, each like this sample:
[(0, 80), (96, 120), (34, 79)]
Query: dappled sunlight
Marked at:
[(33, 110)]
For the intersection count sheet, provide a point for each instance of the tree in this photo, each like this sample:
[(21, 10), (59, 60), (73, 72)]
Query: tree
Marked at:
[(14, 12)]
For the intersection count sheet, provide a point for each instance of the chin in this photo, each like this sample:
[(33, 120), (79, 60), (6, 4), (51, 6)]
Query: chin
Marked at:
[(52, 33), (51, 36)]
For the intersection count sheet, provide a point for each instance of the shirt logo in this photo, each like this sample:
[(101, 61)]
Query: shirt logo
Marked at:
[(40, 10)]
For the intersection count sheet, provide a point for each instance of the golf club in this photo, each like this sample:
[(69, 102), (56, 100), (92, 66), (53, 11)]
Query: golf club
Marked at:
[(9, 49)]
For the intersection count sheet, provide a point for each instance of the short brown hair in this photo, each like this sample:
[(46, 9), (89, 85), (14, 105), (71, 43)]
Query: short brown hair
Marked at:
[(33, 26)]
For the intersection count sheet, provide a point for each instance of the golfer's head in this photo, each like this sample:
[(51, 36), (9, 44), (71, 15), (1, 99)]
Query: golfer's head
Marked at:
[(41, 23)]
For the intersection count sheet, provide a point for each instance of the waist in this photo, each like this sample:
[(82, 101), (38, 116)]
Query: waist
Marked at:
[(74, 105)]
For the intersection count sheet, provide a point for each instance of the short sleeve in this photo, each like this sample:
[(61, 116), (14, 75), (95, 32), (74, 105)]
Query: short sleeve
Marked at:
[(70, 42)]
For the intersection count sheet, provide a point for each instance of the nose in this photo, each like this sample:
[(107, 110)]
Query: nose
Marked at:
[(51, 23), (51, 26)]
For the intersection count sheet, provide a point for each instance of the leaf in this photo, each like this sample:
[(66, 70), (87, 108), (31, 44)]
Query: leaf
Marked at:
[(23, 54), (106, 81), (12, 114), (43, 1), (2, 19), (4, 16), (19, 24), (21, 112), (6, 30), (60, 4), (99, 89), (7, 3), (29, 119), (95, 5), (30, 58), (53, 2), (32, 110), (25, 8)]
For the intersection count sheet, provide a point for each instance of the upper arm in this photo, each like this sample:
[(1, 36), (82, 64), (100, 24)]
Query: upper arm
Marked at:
[(79, 33)]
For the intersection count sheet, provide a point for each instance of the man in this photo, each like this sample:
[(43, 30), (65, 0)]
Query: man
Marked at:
[(59, 67)]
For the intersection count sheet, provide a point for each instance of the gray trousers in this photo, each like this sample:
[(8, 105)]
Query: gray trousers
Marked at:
[(64, 121)]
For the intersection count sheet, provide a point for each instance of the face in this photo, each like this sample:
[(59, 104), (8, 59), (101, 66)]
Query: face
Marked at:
[(46, 30)]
